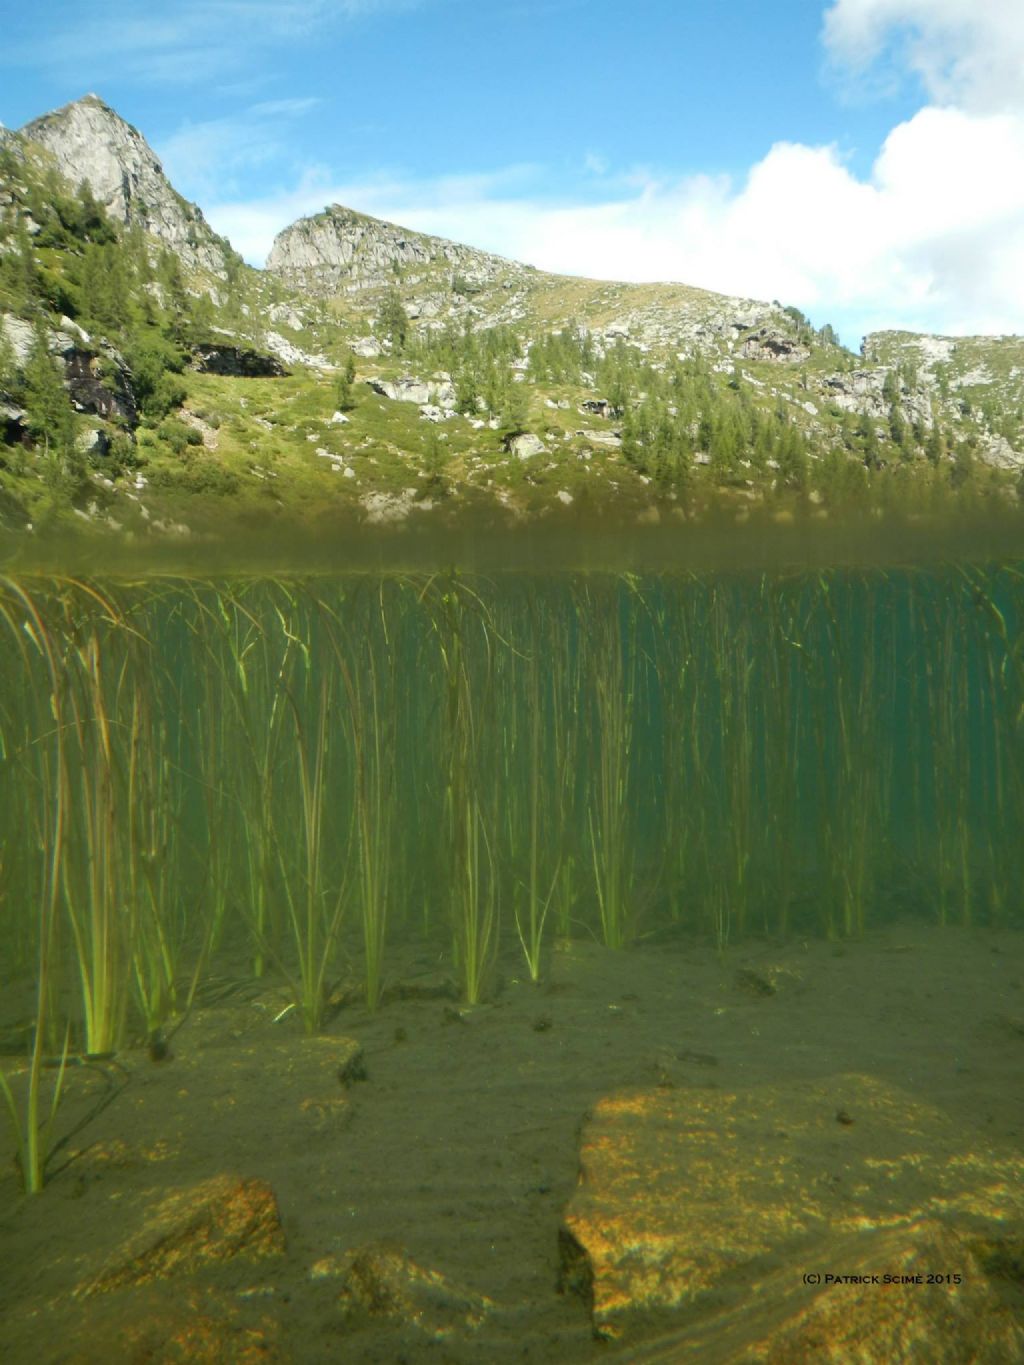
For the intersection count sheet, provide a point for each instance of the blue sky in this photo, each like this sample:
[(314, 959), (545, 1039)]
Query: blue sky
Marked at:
[(817, 151)]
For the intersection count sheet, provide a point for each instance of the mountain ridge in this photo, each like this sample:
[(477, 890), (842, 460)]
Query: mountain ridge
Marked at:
[(432, 376), (68, 132)]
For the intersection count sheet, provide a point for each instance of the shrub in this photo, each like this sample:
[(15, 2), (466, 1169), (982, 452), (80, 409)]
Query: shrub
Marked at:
[(178, 435), (122, 455), (155, 364)]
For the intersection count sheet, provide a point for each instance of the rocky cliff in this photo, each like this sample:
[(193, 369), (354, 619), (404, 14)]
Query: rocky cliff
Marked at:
[(341, 250), (90, 142)]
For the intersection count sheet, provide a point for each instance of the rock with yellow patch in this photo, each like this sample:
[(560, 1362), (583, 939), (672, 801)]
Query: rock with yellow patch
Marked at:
[(186, 1325), (685, 1195), (894, 1304), (216, 1220)]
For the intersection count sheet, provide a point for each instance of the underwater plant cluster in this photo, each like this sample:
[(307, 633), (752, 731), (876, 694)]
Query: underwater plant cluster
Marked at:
[(304, 766)]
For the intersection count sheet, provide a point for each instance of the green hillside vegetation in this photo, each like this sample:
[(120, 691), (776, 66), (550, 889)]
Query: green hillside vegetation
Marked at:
[(571, 398)]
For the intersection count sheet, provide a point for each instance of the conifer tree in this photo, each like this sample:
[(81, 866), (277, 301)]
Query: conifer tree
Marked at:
[(905, 444), (935, 447), (435, 458), (136, 254), (897, 424), (201, 320), (19, 273), (792, 459), (50, 418), (467, 389), (92, 224), (509, 401), (393, 320), (8, 364), (104, 289), (869, 438), (963, 464), (346, 379), (175, 298)]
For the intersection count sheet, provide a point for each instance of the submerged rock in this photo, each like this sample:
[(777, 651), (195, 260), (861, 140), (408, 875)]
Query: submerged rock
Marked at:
[(885, 1300), (184, 1323), (216, 1220), (687, 1195), (381, 1280)]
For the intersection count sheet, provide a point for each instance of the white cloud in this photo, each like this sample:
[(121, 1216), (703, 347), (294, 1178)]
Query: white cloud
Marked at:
[(203, 159), (933, 239), (966, 52)]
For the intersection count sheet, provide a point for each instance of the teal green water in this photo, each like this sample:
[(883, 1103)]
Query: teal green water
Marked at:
[(309, 770)]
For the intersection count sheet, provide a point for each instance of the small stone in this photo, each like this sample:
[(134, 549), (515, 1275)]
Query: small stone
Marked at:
[(381, 1280)]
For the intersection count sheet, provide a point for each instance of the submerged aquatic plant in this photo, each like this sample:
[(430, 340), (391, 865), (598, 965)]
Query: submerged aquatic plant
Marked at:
[(610, 815), (469, 798), (305, 770), (533, 788), (32, 1129), (314, 906), (366, 652)]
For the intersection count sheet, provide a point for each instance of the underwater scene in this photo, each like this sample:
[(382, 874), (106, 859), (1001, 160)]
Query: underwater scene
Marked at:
[(552, 963)]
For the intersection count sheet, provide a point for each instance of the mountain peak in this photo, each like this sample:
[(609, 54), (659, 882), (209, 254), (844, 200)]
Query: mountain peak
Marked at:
[(91, 142), (340, 248)]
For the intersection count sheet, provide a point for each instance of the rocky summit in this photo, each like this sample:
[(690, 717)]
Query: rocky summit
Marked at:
[(154, 385), (342, 249), (89, 142)]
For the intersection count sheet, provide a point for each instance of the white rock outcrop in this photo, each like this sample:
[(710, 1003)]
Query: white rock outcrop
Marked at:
[(382, 508), (340, 248), (524, 447), (367, 347), (419, 391), (294, 355), (90, 142), (19, 335)]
